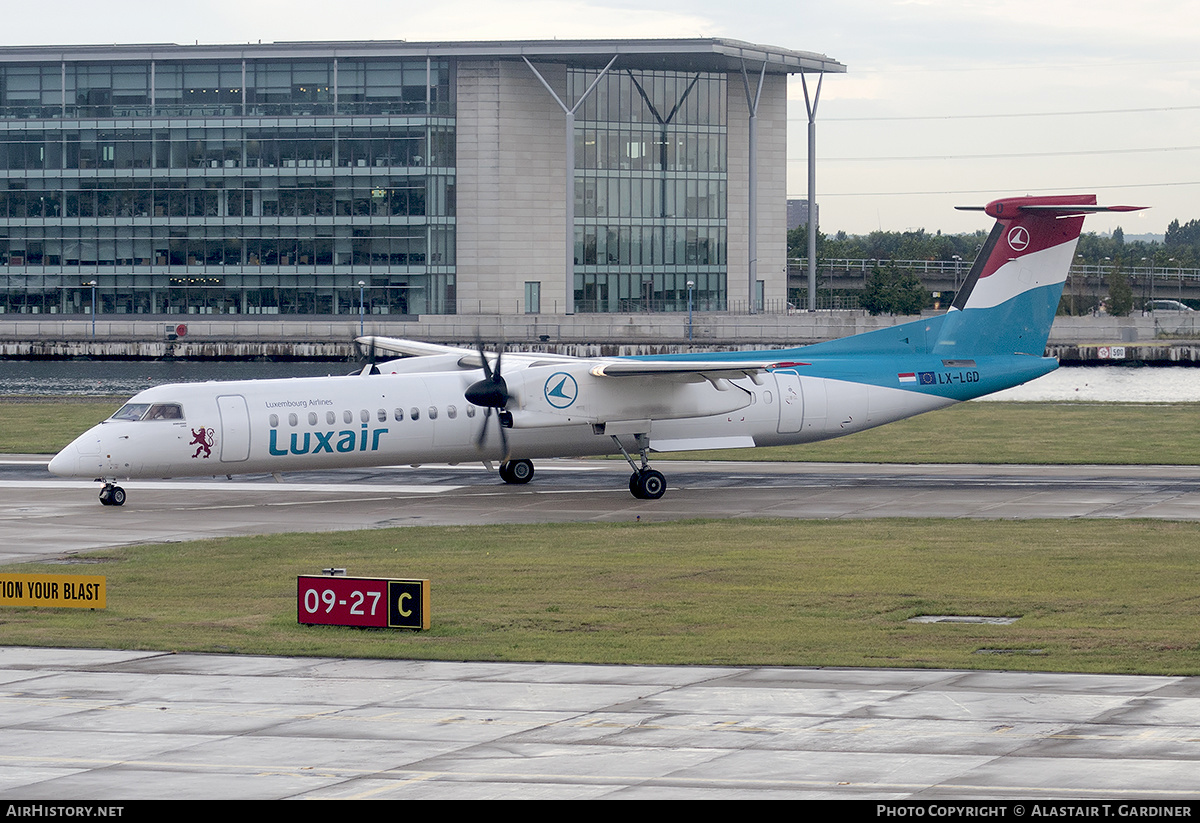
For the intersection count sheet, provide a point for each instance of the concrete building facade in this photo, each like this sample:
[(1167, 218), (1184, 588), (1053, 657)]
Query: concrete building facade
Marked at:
[(539, 177)]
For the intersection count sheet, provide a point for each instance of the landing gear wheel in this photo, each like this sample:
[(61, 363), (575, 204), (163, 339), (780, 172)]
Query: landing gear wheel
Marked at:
[(112, 496), (516, 471), (647, 484)]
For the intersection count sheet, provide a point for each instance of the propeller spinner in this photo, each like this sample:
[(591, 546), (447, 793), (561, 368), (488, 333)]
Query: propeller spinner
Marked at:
[(492, 393)]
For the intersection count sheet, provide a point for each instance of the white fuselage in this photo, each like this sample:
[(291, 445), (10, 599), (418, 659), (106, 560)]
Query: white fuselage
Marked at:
[(412, 418)]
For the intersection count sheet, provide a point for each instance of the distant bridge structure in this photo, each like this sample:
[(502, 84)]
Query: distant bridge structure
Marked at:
[(945, 277)]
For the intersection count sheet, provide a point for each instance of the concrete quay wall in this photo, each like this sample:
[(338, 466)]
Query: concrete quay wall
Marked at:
[(1159, 339)]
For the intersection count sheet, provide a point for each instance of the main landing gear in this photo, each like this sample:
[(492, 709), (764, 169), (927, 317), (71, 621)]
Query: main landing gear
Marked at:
[(112, 494), (645, 483), (518, 472)]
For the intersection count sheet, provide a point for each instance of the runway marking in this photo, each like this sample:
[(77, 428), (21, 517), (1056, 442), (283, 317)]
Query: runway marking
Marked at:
[(217, 485)]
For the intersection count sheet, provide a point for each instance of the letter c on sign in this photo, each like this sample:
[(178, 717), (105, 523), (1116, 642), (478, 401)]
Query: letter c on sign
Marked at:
[(400, 605)]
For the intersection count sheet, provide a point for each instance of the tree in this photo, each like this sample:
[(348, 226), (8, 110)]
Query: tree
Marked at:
[(891, 292), (1120, 293)]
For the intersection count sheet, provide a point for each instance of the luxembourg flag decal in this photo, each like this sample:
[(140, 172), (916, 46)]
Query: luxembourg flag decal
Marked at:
[(907, 377)]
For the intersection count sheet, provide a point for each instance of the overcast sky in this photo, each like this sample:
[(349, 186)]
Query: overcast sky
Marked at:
[(946, 102)]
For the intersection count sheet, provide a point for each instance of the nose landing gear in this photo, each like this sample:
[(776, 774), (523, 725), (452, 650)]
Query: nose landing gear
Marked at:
[(112, 495)]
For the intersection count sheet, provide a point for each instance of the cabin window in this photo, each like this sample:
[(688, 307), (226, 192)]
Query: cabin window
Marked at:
[(348, 416), (399, 414), (365, 416), (470, 411), (331, 418), (274, 421), (414, 413), (767, 398), (382, 415), (451, 412), (292, 419), (312, 418), (433, 412), (130, 411)]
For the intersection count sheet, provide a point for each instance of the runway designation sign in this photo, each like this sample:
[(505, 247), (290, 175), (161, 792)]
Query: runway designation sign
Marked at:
[(364, 602), (60, 591)]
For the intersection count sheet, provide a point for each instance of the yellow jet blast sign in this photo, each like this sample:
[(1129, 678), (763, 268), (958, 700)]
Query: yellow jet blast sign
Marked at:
[(60, 591)]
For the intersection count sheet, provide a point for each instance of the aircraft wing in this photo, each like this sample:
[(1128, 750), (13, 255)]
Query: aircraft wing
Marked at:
[(408, 348), (699, 369), (466, 358), (685, 370)]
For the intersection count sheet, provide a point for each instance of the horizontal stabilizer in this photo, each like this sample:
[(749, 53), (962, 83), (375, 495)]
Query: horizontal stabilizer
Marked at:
[(1009, 207)]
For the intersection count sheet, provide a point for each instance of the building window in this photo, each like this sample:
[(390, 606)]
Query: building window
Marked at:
[(651, 189)]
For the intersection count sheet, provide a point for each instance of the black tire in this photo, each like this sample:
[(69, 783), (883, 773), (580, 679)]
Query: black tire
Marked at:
[(521, 471), (117, 498), (516, 471), (648, 484)]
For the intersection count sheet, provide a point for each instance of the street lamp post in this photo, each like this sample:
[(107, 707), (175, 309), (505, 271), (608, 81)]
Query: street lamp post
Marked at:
[(691, 284), (362, 286), (92, 283)]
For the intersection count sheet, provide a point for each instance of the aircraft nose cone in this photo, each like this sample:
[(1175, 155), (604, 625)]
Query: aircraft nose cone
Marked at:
[(66, 462)]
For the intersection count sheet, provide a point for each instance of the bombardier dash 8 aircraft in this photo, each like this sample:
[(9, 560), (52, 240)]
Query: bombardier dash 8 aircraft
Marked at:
[(442, 404)]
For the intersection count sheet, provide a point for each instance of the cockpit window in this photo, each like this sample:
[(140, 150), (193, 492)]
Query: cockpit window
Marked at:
[(165, 411), (131, 411), (146, 411)]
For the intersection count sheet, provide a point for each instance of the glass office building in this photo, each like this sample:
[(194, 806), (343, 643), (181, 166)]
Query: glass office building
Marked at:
[(651, 189), (417, 178)]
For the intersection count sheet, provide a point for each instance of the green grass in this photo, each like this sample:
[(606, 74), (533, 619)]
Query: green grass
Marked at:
[(993, 432), (1110, 433), (43, 425), (1092, 596)]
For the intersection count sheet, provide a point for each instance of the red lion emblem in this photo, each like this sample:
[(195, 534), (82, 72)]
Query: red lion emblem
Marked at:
[(202, 439)]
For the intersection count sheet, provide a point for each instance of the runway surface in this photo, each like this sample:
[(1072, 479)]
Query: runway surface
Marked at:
[(44, 516), (80, 724)]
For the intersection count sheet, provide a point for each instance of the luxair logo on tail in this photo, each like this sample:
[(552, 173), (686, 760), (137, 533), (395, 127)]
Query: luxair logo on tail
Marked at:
[(1018, 239)]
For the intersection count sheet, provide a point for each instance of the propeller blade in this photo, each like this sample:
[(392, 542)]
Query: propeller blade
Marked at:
[(481, 440), (491, 393)]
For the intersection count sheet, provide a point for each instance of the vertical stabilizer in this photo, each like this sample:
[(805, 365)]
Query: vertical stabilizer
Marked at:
[(1008, 302)]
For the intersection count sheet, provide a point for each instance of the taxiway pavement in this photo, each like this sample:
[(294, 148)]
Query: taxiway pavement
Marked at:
[(95, 725)]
